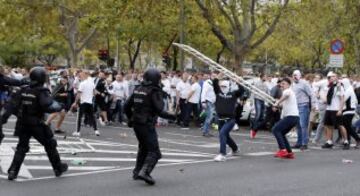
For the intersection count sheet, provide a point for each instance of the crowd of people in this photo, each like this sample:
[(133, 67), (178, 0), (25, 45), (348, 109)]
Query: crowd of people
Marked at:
[(309, 105)]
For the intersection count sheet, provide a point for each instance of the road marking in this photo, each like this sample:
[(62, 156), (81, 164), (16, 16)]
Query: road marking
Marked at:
[(259, 154), (206, 145), (41, 158), (186, 135), (259, 142), (116, 169), (257, 135), (77, 168), (5, 162), (163, 153)]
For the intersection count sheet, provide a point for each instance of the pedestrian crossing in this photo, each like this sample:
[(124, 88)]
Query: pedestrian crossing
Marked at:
[(85, 156)]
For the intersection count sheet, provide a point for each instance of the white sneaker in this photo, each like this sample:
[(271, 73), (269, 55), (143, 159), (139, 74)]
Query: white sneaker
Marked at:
[(101, 122), (234, 153), (97, 133), (220, 158), (76, 134), (124, 123), (236, 127)]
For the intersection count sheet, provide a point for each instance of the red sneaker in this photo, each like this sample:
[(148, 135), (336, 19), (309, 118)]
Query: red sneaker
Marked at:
[(252, 134), (290, 155), (277, 154), (282, 153)]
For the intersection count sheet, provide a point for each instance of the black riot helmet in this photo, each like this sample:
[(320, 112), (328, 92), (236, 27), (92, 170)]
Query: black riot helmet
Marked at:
[(38, 76), (152, 76)]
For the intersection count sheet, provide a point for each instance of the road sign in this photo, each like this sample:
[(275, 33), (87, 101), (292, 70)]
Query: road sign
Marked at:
[(337, 46), (336, 60)]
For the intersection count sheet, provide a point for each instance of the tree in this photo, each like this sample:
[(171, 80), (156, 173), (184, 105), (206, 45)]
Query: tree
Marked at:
[(249, 23)]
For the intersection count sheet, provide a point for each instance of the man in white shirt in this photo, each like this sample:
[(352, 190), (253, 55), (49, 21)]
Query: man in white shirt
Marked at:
[(175, 79), (165, 84), (119, 90), (208, 99), (333, 116), (193, 100), (85, 97), (182, 93)]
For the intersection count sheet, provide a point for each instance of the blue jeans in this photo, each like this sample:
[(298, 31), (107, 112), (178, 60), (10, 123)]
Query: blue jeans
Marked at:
[(281, 128), (259, 114), (302, 126), (210, 110), (119, 110), (225, 126)]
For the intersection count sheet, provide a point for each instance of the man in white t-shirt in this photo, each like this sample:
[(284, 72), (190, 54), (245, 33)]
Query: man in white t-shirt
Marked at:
[(182, 93), (333, 115), (85, 96), (174, 80), (289, 119), (119, 90), (193, 100)]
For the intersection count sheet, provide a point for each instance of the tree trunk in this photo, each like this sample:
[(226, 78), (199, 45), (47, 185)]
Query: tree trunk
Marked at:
[(239, 57), (218, 55), (73, 58), (175, 54), (357, 53), (132, 58)]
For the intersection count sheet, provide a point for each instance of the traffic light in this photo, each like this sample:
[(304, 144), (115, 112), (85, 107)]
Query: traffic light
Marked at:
[(103, 55)]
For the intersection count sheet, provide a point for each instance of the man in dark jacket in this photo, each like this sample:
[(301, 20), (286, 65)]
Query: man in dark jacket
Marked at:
[(225, 107), (33, 102), (6, 81), (142, 109)]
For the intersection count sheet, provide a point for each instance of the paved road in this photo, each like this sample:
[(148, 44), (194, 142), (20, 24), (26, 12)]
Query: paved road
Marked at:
[(102, 166)]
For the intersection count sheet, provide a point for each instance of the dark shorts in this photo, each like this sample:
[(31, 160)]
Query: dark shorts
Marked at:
[(100, 102), (331, 119)]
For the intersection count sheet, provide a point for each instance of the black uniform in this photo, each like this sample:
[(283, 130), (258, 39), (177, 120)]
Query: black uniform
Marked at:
[(142, 109), (101, 98), (33, 102), (6, 81), (61, 89)]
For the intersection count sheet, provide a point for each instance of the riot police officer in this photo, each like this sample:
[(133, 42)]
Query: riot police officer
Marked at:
[(6, 81), (33, 102), (142, 109)]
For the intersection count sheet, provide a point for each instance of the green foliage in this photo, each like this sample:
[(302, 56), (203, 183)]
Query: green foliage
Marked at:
[(37, 30)]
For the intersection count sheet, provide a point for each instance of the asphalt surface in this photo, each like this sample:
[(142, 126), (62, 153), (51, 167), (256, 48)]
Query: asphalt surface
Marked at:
[(102, 166)]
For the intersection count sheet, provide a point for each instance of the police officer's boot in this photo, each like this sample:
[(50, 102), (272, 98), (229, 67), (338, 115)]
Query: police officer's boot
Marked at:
[(145, 174), (146, 171), (63, 168), (15, 165), (140, 159), (54, 158)]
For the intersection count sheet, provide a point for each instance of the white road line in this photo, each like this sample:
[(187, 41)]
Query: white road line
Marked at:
[(77, 168), (186, 144), (186, 135), (257, 136), (118, 169), (259, 154), (259, 142), (5, 162), (163, 153), (41, 158)]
